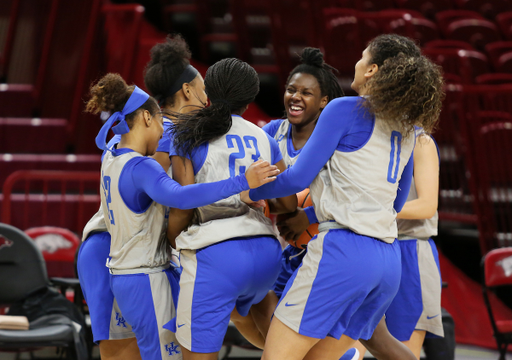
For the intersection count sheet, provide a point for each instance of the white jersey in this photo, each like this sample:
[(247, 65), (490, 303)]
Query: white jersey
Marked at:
[(139, 242), (95, 224), (283, 138), (226, 157), (357, 189)]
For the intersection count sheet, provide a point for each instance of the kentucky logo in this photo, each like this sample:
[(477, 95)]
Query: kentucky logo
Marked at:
[(506, 264), (120, 320), (172, 348), (4, 242), (280, 137)]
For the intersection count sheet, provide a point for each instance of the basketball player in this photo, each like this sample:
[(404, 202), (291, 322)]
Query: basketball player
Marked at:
[(166, 70), (230, 255), (136, 191), (358, 159)]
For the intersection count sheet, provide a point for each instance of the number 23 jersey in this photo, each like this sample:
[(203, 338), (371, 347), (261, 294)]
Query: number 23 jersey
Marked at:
[(224, 157)]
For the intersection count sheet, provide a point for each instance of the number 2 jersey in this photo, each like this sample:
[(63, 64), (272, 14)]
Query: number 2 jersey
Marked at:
[(222, 158), (354, 164)]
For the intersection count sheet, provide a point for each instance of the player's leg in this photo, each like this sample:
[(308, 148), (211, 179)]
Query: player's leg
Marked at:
[(384, 346), (247, 327), (113, 334), (415, 343), (330, 348), (124, 349)]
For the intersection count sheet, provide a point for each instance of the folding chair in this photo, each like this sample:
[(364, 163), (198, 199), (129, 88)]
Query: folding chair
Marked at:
[(497, 271), (23, 273)]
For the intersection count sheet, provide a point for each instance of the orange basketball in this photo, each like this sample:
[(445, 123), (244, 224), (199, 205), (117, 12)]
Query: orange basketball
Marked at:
[(304, 200)]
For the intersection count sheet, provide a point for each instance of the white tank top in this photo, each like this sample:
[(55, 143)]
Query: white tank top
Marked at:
[(226, 157), (138, 240), (282, 137), (357, 189)]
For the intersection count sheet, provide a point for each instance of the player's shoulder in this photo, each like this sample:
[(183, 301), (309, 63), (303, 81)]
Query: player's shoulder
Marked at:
[(273, 126)]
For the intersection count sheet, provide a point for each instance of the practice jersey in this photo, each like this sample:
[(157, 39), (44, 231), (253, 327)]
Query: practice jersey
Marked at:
[(97, 222), (354, 164), (421, 229), (225, 157), (139, 243), (281, 130)]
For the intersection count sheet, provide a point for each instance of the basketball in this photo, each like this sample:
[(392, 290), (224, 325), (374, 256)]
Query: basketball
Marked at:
[(303, 201)]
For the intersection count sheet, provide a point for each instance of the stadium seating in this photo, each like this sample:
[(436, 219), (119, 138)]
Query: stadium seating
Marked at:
[(32, 135), (427, 7), (496, 267), (476, 32), (462, 65), (504, 21), (488, 8), (448, 44), (494, 79)]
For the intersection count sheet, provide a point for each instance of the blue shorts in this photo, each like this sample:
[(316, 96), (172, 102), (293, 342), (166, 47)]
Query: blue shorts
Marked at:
[(107, 321), (417, 305), (147, 302), (238, 272), (290, 261), (343, 287)]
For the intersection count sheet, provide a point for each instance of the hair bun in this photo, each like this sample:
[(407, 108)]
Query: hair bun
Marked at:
[(312, 56)]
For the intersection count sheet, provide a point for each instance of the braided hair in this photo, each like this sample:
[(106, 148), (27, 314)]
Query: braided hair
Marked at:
[(230, 84), (312, 62), (168, 61)]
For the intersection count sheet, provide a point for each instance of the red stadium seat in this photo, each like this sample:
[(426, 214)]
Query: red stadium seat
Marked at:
[(58, 246), (504, 64), (476, 32), (494, 79), (421, 30), (374, 23), (50, 198), (25, 135), (448, 44), (17, 100), (464, 64), (497, 269), (363, 5), (496, 49), (504, 21), (342, 26), (445, 18), (14, 162), (488, 8), (122, 24), (427, 7)]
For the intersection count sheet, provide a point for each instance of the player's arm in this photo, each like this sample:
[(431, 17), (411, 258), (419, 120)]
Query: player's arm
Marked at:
[(179, 220), (285, 204), (292, 228), (426, 179), (333, 124), (149, 177), (163, 159)]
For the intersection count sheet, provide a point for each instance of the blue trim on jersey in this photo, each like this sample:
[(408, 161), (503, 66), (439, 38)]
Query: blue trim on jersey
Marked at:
[(138, 203), (272, 127), (310, 213), (360, 135), (275, 152), (292, 152), (163, 144)]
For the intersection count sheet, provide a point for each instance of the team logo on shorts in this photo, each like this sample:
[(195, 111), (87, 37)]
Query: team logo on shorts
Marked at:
[(172, 348), (4, 242), (120, 320)]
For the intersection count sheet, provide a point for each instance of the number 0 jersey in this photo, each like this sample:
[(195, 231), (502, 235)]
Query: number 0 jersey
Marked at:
[(225, 157)]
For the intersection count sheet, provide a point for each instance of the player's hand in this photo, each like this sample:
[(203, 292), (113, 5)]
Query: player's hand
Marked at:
[(260, 173), (293, 227), (244, 196)]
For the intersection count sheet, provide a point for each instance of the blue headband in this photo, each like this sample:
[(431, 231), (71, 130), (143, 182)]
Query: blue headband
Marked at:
[(188, 74), (136, 100)]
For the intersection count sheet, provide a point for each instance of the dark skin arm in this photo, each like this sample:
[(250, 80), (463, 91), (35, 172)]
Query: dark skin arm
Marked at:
[(179, 220), (285, 204)]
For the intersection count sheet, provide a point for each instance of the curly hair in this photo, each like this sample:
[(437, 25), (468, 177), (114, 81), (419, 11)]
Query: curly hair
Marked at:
[(230, 84), (407, 90), (312, 63), (111, 93), (168, 60)]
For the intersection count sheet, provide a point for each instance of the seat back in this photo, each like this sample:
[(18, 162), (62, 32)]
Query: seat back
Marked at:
[(498, 267), (22, 267), (58, 246), (504, 64), (448, 44), (476, 32), (488, 8), (445, 18), (427, 7)]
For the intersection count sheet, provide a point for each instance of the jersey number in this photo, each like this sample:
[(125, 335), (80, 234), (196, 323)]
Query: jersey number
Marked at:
[(231, 140), (108, 198), (394, 156)]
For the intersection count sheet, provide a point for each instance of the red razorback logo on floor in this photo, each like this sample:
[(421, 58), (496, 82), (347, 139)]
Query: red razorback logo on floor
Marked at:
[(5, 242)]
